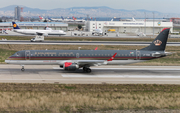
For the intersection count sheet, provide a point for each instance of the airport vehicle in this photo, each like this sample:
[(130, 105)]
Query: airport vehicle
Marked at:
[(38, 38), (46, 32), (75, 59)]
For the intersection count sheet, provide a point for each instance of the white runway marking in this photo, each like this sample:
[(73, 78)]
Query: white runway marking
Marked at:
[(141, 68), (84, 80), (117, 76)]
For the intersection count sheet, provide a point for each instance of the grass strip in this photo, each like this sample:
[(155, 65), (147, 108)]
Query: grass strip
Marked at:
[(58, 98)]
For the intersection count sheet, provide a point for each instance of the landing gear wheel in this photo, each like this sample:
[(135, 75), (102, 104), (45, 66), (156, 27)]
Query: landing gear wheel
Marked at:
[(87, 70), (22, 69)]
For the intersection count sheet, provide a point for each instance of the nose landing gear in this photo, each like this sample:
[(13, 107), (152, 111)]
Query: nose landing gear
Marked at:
[(22, 69)]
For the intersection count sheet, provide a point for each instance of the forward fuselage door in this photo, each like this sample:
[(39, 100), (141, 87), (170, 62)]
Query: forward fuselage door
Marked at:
[(138, 55), (27, 55)]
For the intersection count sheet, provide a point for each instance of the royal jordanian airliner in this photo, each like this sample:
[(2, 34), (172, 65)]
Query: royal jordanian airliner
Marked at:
[(46, 32), (75, 59)]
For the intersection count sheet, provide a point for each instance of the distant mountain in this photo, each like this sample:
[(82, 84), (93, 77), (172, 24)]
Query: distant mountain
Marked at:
[(101, 11)]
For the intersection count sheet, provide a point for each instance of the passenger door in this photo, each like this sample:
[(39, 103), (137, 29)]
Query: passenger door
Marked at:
[(27, 55), (138, 55)]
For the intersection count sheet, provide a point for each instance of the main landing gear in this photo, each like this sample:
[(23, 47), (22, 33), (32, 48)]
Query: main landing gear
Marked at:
[(87, 69), (22, 69)]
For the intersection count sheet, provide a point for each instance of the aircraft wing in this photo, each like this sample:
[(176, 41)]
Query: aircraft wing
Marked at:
[(90, 63), (95, 62)]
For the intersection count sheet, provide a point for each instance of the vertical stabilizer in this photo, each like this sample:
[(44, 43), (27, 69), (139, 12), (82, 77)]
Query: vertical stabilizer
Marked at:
[(159, 43), (15, 26)]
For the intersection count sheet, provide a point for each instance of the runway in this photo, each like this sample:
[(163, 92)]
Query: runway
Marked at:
[(99, 75), (85, 43)]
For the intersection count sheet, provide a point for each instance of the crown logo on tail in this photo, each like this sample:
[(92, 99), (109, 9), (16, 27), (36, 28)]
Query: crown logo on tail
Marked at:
[(157, 42)]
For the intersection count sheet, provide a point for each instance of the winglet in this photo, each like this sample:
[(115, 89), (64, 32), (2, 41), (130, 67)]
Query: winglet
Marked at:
[(112, 57), (96, 48)]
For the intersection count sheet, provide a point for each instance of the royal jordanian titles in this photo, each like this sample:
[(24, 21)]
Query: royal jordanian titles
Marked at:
[(46, 32), (76, 59)]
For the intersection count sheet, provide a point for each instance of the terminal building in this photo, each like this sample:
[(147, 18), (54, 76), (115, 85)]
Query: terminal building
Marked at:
[(36, 25), (128, 26)]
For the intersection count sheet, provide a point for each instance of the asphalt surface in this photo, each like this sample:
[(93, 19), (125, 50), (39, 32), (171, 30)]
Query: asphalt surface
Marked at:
[(85, 43), (99, 75)]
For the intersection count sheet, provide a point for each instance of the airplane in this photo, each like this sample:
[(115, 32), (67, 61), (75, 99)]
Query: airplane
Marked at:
[(97, 31), (42, 19), (46, 32), (75, 59), (77, 20), (56, 20)]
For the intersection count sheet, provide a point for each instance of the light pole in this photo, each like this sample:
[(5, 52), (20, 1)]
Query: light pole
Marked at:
[(153, 24), (145, 24)]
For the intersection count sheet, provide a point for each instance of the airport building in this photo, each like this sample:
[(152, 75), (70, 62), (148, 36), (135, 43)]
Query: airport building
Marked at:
[(128, 26), (36, 25)]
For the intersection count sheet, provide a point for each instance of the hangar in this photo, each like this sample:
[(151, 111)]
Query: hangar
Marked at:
[(129, 26)]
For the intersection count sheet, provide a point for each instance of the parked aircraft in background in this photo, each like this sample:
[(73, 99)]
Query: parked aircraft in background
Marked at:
[(56, 19), (46, 32), (78, 20), (43, 19), (97, 31), (75, 59)]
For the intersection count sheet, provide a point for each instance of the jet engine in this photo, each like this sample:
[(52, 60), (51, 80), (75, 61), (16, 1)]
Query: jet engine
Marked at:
[(70, 66)]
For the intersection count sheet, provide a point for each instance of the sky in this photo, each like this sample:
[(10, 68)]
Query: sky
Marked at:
[(164, 6)]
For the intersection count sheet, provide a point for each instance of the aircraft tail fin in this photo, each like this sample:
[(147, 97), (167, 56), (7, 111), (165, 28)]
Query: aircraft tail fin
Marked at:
[(50, 19), (62, 17), (159, 43), (74, 18), (15, 26), (40, 17)]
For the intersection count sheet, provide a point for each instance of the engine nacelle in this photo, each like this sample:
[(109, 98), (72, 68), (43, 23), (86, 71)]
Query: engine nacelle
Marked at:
[(70, 66)]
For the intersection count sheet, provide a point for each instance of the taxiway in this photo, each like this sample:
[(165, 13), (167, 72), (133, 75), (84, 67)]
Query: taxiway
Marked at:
[(85, 43)]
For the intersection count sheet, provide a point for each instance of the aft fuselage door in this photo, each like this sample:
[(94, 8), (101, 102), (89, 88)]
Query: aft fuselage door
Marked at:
[(138, 55), (27, 55)]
